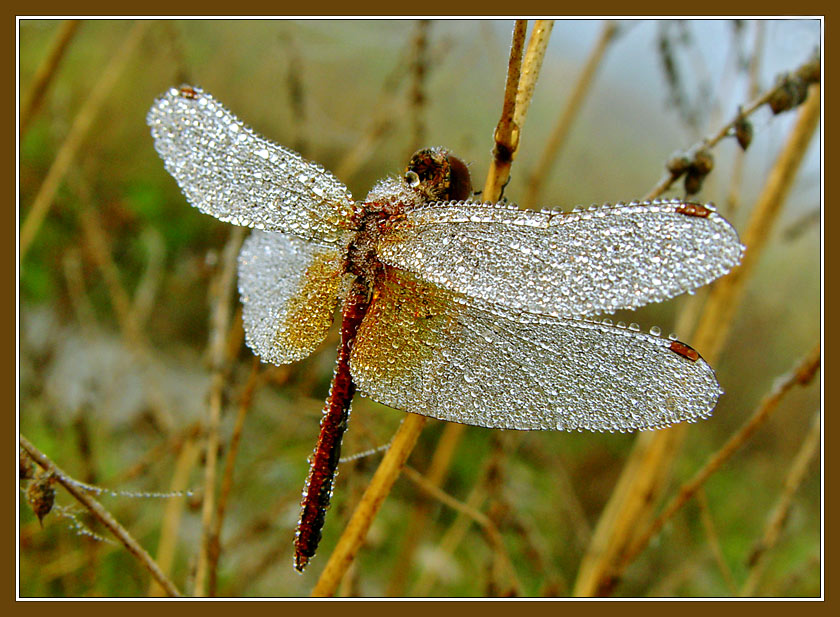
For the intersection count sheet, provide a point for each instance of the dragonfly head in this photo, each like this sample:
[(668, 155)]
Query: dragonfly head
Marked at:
[(439, 175)]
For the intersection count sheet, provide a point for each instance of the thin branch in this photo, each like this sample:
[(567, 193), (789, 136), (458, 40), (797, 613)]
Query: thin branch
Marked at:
[(227, 475), (102, 515), (419, 73), (773, 531), (727, 129), (487, 526), (531, 66), (76, 136), (435, 475), (506, 135), (219, 325), (46, 72), (725, 296), (558, 136), (714, 541), (174, 510)]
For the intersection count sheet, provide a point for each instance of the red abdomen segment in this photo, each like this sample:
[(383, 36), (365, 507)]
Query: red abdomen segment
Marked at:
[(324, 460)]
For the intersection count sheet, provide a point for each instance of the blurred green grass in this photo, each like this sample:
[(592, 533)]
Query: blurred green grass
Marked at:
[(615, 151)]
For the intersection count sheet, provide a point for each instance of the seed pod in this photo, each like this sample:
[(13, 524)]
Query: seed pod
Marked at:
[(702, 163), (678, 164), (743, 132), (790, 91), (41, 495)]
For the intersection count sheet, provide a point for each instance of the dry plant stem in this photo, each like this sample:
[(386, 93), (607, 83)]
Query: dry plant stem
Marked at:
[(801, 375), (506, 134), (435, 475), (174, 510), (76, 136), (450, 540), (102, 515), (773, 531), (380, 485), (641, 480), (636, 491), (558, 135), (46, 72), (227, 474), (530, 72), (487, 526), (219, 325), (714, 541)]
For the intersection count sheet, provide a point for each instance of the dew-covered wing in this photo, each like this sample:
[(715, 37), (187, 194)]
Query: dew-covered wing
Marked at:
[(421, 351), (289, 290), (227, 170), (564, 263)]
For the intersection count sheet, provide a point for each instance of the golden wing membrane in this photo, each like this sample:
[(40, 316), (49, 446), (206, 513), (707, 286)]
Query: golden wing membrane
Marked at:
[(289, 289), (425, 350)]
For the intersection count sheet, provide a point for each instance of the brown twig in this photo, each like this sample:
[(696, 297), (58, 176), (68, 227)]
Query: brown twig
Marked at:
[(76, 136), (558, 135), (219, 326), (506, 135), (174, 509), (710, 141), (714, 541), (489, 528), (227, 475), (435, 475), (102, 515), (531, 66), (726, 294), (46, 72), (773, 530), (450, 540)]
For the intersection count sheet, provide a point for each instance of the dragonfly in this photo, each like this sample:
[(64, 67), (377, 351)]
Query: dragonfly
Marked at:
[(478, 313)]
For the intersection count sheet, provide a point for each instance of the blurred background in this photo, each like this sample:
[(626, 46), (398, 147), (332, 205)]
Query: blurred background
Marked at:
[(118, 276)]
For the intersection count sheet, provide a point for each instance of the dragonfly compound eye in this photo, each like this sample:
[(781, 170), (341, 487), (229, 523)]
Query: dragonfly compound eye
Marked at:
[(412, 179)]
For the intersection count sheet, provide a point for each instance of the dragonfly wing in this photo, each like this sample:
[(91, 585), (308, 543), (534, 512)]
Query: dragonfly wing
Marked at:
[(564, 264), (225, 169), (289, 290), (422, 351)]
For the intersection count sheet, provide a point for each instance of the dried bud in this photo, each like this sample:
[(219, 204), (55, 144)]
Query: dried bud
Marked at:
[(790, 91), (27, 467), (41, 495), (703, 161), (678, 164), (743, 132), (701, 164), (692, 183)]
